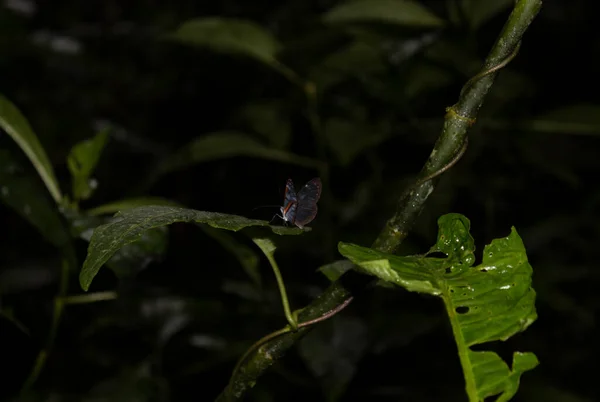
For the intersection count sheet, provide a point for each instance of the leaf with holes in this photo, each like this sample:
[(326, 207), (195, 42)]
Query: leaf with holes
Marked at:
[(488, 302), (130, 225)]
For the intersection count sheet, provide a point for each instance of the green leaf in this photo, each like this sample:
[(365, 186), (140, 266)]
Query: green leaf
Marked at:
[(488, 302), (223, 145), (247, 258), (478, 12), (128, 227), (131, 258), (82, 161), (15, 125), (24, 193), (230, 36), (336, 269), (398, 12)]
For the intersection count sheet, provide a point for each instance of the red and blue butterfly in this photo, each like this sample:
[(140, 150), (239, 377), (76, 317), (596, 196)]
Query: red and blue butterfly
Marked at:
[(301, 208)]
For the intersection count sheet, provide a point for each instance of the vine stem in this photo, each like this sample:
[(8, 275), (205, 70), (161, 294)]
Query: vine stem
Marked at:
[(265, 339)]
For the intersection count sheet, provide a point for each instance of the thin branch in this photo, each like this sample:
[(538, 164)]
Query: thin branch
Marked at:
[(68, 263)]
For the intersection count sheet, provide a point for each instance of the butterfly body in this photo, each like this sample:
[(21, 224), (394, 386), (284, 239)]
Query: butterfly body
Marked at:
[(301, 208)]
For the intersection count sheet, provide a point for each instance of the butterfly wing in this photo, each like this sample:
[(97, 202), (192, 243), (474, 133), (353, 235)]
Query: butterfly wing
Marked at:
[(290, 202), (307, 202)]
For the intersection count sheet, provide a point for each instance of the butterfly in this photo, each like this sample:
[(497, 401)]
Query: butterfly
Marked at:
[(301, 208)]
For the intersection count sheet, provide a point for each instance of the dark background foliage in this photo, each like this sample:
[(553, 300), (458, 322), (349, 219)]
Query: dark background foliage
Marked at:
[(174, 333)]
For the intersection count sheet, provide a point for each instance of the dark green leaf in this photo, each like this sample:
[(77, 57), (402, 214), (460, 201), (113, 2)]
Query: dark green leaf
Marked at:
[(398, 12), (247, 258), (223, 145), (485, 303), (133, 257), (25, 194), (82, 161), (15, 125), (359, 59), (478, 12), (128, 227), (336, 269), (231, 36)]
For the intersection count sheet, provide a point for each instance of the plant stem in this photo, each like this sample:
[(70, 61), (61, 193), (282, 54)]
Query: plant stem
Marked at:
[(268, 248), (284, 299), (458, 119), (452, 139), (67, 264), (282, 331), (255, 364)]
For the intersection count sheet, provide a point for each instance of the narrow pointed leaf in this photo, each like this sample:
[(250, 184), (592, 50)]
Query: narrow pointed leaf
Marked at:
[(15, 125), (223, 145), (128, 226), (82, 161), (488, 302), (397, 12), (336, 269), (22, 191)]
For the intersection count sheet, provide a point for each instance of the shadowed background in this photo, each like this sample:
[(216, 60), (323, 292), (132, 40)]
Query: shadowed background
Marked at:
[(184, 316)]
